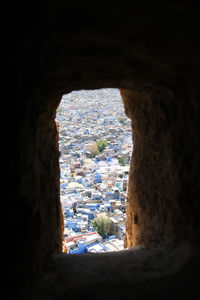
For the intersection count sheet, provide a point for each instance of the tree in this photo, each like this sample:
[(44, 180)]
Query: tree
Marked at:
[(101, 224), (122, 161), (121, 120), (101, 145)]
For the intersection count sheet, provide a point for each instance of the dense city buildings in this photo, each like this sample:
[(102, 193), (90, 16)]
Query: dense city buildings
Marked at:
[(95, 145)]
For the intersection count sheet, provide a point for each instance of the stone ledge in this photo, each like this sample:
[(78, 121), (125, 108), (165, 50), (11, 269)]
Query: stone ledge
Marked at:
[(143, 271)]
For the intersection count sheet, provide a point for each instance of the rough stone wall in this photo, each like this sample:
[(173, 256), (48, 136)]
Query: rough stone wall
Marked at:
[(40, 227), (160, 178)]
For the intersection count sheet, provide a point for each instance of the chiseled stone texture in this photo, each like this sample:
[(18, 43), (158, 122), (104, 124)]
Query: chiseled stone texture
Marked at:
[(153, 213)]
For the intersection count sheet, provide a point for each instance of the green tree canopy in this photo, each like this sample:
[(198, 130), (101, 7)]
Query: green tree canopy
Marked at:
[(101, 145), (121, 120), (101, 224), (122, 161)]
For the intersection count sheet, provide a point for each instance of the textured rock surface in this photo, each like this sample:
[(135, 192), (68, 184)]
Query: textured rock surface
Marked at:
[(136, 273), (151, 53), (159, 177)]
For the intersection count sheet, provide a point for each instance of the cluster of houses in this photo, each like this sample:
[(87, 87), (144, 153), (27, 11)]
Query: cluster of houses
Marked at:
[(93, 182)]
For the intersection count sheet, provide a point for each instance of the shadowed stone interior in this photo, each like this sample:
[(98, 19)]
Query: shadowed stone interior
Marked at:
[(151, 53)]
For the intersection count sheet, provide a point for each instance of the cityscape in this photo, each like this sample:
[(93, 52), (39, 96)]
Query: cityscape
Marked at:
[(95, 145)]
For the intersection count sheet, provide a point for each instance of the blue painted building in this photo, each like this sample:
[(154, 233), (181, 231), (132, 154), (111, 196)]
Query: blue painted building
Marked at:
[(91, 215), (97, 178), (68, 212), (107, 205), (109, 196), (79, 248), (96, 196), (95, 248)]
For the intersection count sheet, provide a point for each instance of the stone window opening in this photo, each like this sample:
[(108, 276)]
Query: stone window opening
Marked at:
[(151, 226), (81, 125), (153, 190)]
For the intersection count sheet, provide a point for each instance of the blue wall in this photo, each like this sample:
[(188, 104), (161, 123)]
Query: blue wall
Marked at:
[(81, 248)]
